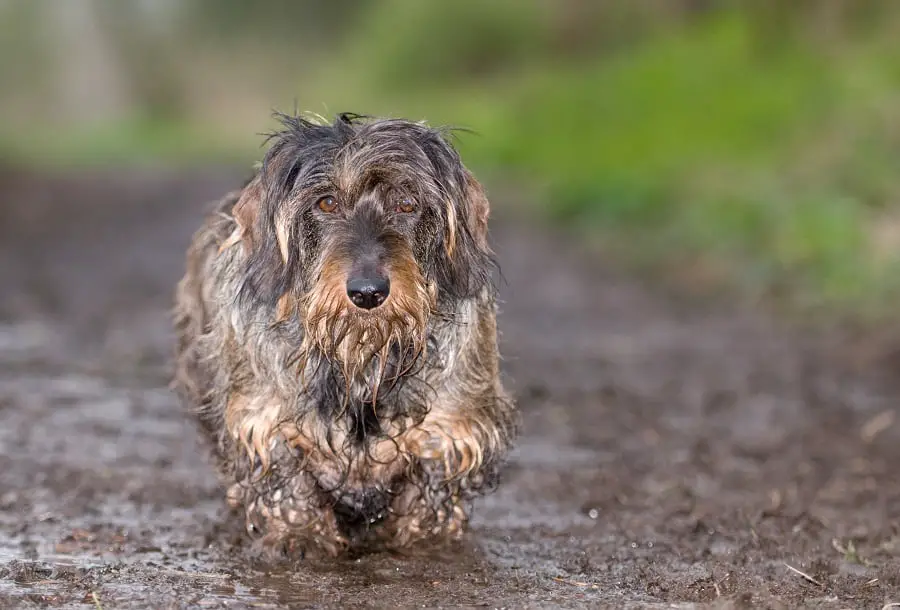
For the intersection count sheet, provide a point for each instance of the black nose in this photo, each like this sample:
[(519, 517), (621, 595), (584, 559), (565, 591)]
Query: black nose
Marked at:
[(368, 292)]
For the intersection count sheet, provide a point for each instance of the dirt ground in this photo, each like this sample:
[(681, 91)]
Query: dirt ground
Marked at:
[(673, 455)]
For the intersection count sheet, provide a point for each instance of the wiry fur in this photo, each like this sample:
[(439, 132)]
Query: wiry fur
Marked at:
[(337, 427)]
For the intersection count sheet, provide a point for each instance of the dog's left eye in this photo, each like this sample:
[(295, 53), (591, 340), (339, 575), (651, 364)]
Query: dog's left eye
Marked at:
[(327, 203), (406, 205)]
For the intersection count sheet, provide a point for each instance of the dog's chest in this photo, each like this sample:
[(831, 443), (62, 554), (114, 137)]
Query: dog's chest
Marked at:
[(356, 449), (361, 477), (369, 405)]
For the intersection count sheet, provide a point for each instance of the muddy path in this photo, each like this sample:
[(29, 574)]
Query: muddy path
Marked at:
[(672, 454)]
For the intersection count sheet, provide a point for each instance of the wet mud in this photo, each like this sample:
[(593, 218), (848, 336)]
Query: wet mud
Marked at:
[(674, 454)]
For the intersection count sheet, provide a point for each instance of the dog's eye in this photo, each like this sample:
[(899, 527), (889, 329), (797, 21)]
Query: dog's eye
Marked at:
[(406, 205), (327, 203)]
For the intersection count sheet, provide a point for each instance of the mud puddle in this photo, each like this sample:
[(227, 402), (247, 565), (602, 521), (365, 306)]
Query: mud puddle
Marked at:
[(671, 455)]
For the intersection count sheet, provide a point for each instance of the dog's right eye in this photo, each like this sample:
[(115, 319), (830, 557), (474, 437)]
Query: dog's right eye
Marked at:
[(327, 203), (406, 205)]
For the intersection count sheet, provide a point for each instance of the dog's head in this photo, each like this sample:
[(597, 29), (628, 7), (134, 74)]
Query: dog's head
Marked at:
[(364, 229)]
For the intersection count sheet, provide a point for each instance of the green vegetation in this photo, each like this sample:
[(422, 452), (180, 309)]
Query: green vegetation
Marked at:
[(755, 148), (132, 141)]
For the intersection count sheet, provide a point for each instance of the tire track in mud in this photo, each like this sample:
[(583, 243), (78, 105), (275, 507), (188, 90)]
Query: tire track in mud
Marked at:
[(672, 454)]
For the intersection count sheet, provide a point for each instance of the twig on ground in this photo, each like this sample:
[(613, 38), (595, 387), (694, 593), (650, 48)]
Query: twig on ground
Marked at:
[(876, 426), (716, 584), (803, 574), (96, 599), (574, 583)]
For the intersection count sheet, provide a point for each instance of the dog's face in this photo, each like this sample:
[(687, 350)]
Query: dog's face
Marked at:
[(363, 229)]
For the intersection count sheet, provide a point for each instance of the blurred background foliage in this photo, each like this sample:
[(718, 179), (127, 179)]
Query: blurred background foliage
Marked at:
[(752, 143)]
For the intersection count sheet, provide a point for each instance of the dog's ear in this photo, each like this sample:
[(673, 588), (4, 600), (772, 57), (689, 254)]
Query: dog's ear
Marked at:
[(246, 212), (469, 213), (478, 209), (464, 264), (265, 279), (467, 259)]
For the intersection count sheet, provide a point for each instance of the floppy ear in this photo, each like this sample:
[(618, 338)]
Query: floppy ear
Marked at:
[(265, 280), (246, 213), (467, 259), (478, 209), (469, 214)]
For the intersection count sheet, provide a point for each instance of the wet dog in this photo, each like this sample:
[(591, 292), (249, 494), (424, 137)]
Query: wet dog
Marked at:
[(337, 339)]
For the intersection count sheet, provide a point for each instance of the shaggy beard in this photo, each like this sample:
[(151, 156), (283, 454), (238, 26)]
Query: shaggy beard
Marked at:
[(371, 348)]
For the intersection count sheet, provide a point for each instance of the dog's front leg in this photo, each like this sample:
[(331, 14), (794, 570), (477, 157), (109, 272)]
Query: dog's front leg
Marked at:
[(455, 447), (287, 517), (452, 459), (284, 508)]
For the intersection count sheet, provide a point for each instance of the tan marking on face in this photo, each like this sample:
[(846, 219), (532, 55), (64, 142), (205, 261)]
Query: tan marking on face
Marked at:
[(282, 235), (450, 243)]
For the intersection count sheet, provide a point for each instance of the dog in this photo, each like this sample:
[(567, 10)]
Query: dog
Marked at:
[(337, 340)]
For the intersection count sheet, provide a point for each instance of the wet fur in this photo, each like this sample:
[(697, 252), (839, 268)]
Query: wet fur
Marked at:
[(334, 428)]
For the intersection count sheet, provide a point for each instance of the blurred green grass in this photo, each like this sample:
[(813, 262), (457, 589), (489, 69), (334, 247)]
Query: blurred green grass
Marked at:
[(137, 140), (712, 150)]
